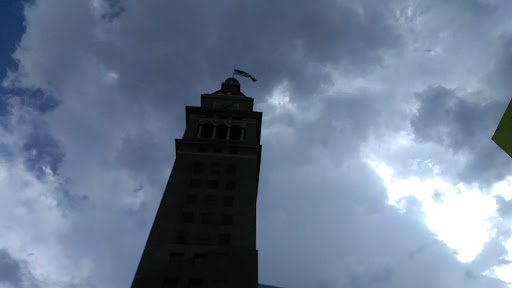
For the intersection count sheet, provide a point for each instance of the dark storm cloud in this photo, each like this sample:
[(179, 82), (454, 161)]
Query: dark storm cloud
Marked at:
[(10, 269), (499, 76), (133, 155), (113, 10), (15, 273), (448, 119), (36, 99), (275, 41), (160, 50), (487, 165)]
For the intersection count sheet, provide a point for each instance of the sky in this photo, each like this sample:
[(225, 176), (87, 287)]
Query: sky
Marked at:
[(377, 169)]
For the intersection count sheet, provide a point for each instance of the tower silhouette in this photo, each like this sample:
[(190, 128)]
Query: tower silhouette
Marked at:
[(204, 233)]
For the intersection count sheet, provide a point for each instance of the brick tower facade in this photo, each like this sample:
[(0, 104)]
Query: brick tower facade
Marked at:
[(204, 233)]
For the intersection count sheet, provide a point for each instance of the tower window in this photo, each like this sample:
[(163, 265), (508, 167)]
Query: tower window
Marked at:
[(206, 218), (218, 149), (222, 131), (199, 258), (191, 199), (235, 132), (195, 183), (176, 258), (230, 185), (214, 168), (198, 167), (182, 237), (220, 284), (187, 217), (195, 283), (203, 238), (213, 184), (202, 148), (170, 283), (233, 150), (231, 170), (224, 239), (210, 200), (227, 219), (229, 201), (207, 130)]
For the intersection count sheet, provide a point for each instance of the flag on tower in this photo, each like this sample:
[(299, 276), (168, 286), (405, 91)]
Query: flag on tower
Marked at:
[(245, 74)]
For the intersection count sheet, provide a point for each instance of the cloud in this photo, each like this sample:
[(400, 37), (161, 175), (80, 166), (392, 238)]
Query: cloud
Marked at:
[(504, 207), (335, 83), (15, 272), (498, 76), (448, 118), (10, 270)]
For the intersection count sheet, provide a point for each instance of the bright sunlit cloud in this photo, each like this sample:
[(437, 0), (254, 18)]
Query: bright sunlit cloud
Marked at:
[(459, 216), (503, 188), (280, 99), (503, 272)]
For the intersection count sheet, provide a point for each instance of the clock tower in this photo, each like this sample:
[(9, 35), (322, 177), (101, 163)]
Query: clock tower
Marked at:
[(204, 233)]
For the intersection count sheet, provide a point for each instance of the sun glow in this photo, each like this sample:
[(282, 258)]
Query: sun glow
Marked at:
[(458, 215)]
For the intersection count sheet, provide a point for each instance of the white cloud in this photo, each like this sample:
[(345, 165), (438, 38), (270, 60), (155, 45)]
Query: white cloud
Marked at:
[(32, 225), (504, 271), (503, 188), (461, 220), (280, 100)]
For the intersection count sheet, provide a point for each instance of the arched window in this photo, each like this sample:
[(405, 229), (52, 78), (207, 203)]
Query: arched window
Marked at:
[(222, 131), (207, 130), (235, 132)]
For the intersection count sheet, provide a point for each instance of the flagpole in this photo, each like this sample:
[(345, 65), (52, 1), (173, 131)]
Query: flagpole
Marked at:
[(233, 72)]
